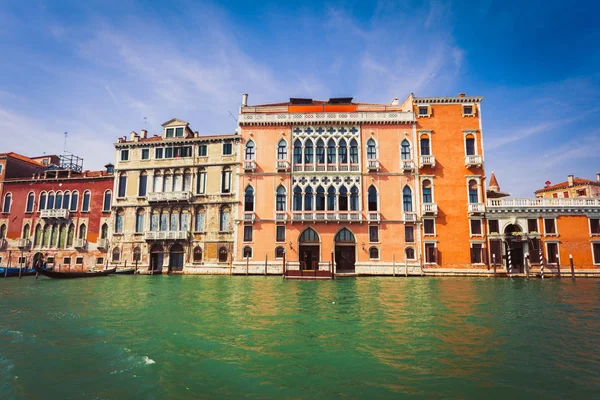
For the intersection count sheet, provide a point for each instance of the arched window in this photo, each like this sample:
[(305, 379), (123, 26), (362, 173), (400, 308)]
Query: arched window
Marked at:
[(407, 199), (26, 231), (85, 207), (58, 200), (122, 192), (30, 201), (247, 252), (174, 221), (50, 203), (473, 197), (250, 151), (74, 200), (308, 152), (249, 199), (139, 220), (45, 236), (297, 199), (137, 254), (116, 254), (371, 150), (297, 152), (343, 201), (373, 253), (354, 199), (3, 231), (409, 253), (70, 235), (330, 152), (309, 236), (158, 182), (308, 199), (222, 254), (320, 200), (167, 182), (425, 150), (282, 150), (66, 200), (372, 198), (344, 236), (343, 152), (405, 150), (427, 198), (224, 219), (470, 145), (226, 180), (279, 251), (107, 201), (37, 237), (177, 181), (7, 201), (62, 236), (143, 184), (104, 231), (42, 204), (82, 231), (187, 180), (197, 256), (119, 221), (200, 218), (280, 200), (353, 152), (164, 220), (331, 199), (320, 152)]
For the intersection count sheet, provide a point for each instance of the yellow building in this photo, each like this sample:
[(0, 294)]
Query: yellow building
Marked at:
[(571, 188), (175, 200)]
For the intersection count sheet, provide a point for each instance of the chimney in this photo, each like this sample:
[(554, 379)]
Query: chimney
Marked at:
[(598, 176), (461, 95), (570, 180), (244, 100), (143, 134), (132, 135), (395, 101)]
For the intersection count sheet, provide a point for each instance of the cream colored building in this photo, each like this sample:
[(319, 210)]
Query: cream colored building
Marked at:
[(175, 201)]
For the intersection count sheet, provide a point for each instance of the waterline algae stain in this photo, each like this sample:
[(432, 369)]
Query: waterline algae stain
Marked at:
[(216, 336)]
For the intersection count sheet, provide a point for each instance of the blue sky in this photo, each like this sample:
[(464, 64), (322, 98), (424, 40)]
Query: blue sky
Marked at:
[(97, 68)]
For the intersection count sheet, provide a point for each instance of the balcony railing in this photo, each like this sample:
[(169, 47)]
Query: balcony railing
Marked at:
[(249, 216), (373, 216), (326, 216), (430, 208), (169, 196), (249, 165), (166, 235), (408, 165), (476, 208), (79, 243), (58, 214), (103, 244), (410, 216), (473, 161), (373, 165), (283, 165), (23, 243), (280, 216), (427, 161), (543, 203)]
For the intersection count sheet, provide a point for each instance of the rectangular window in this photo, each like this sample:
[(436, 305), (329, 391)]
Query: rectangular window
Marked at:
[(373, 234), (549, 226), (555, 195), (139, 222), (425, 147), (201, 183), (124, 155), (247, 233), (532, 225), (158, 153), (429, 226), (50, 260), (200, 222), (224, 221), (493, 225), (99, 260), (227, 149), (476, 227), (409, 234), (202, 150), (468, 110), (566, 195), (423, 110), (22, 260), (595, 226), (430, 253), (168, 152), (226, 181), (552, 252), (596, 251), (470, 145), (476, 253), (143, 185), (145, 154), (280, 233), (79, 260), (122, 186), (179, 132), (66, 260), (170, 132)]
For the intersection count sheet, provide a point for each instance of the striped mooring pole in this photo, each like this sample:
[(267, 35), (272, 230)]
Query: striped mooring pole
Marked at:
[(541, 261), (509, 262)]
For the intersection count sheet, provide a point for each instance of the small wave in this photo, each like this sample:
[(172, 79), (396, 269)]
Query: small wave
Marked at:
[(149, 361)]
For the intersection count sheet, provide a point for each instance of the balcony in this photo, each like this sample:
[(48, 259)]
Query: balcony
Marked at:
[(429, 209), (249, 216), (79, 243), (103, 244), (537, 205), (326, 216), (280, 216), (249, 165), (160, 197), (476, 208), (283, 166), (427, 161), (55, 214), (373, 165), (23, 244), (410, 216), (166, 235), (373, 216), (473, 161), (408, 165)]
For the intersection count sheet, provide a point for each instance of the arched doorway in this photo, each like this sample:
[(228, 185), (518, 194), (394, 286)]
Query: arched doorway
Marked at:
[(176, 257), (38, 258), (345, 251), (514, 245), (309, 247), (156, 257)]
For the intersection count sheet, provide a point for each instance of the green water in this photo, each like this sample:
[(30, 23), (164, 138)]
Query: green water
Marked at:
[(189, 337)]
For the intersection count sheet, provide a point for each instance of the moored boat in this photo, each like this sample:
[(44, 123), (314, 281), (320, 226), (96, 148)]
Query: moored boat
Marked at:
[(14, 271), (125, 271), (73, 275)]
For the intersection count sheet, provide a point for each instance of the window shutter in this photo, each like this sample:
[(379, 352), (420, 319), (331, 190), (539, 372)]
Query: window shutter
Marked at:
[(436, 256), (429, 111)]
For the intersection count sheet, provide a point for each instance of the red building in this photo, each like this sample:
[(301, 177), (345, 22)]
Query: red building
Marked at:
[(57, 211)]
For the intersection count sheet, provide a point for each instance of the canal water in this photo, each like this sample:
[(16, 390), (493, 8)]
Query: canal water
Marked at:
[(191, 337)]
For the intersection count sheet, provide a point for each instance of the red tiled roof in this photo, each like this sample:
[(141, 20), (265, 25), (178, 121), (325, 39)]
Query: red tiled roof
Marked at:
[(565, 184), (157, 138), (20, 157)]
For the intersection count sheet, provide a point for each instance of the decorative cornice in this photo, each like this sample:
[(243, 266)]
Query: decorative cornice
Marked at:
[(447, 100), (395, 117), (171, 142)]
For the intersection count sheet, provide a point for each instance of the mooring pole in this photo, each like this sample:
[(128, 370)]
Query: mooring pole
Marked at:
[(266, 260), (509, 262), (332, 265), (542, 269), (494, 263), (393, 265), (572, 267), (558, 264), (283, 266), (406, 268), (21, 265), (527, 266), (7, 264), (247, 262)]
